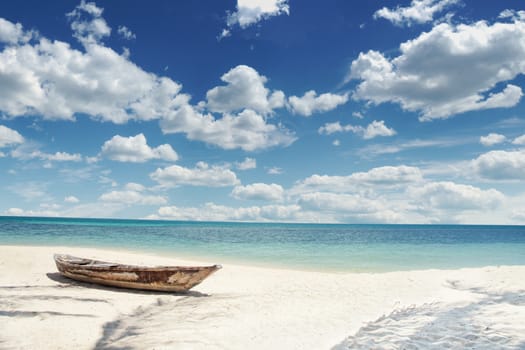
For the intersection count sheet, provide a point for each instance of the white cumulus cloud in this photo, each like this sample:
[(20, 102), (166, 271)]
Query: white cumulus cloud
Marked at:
[(250, 12), (12, 33), (377, 128), (500, 165), (201, 175), (389, 175), (247, 130), (245, 89), (9, 137), (419, 11), (87, 23), (259, 191), (311, 103), (492, 139), (520, 140), (247, 164), (135, 149), (448, 70), (386, 176), (374, 129), (451, 196), (331, 128)]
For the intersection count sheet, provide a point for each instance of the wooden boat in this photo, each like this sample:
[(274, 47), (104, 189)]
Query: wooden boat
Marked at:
[(159, 278)]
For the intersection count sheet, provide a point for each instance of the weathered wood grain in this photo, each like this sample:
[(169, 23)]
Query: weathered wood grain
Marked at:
[(158, 278)]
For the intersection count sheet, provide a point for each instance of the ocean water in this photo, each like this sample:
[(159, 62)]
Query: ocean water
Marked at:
[(362, 248)]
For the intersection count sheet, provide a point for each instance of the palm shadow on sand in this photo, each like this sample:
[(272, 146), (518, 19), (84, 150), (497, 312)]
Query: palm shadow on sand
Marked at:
[(437, 325)]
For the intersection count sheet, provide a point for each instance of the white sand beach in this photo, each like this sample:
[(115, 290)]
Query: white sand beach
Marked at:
[(243, 307)]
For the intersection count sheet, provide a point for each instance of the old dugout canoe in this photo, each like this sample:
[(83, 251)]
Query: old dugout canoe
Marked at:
[(158, 278)]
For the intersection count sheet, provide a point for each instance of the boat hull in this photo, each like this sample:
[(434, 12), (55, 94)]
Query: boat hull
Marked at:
[(161, 278)]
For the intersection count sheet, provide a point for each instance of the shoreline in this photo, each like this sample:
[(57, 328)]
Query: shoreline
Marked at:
[(244, 306), (200, 258)]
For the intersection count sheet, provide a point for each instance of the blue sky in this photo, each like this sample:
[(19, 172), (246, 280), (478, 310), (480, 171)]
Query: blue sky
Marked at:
[(264, 110)]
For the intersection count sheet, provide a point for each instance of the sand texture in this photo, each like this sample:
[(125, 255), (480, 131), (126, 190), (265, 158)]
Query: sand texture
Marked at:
[(243, 307)]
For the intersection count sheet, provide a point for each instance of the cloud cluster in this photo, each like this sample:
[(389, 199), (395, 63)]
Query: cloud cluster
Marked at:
[(414, 201), (123, 149), (244, 102), (384, 194), (448, 70), (392, 194), (419, 11), (376, 195), (386, 176), (247, 130), (215, 212), (57, 82)]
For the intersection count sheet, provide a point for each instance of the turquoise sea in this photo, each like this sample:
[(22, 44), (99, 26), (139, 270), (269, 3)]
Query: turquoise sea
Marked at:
[(301, 246)]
